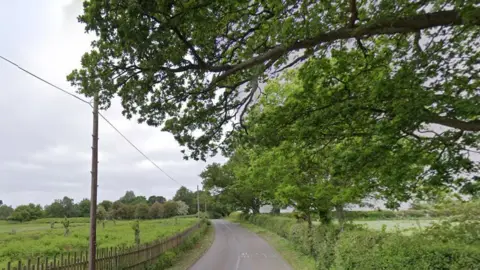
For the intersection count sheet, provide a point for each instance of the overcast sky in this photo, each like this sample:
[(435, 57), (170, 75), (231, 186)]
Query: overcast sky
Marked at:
[(45, 135)]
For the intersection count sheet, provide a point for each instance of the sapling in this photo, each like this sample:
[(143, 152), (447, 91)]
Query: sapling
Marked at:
[(136, 229), (66, 226)]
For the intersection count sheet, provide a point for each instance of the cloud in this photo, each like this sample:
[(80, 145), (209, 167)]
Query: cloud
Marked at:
[(45, 143)]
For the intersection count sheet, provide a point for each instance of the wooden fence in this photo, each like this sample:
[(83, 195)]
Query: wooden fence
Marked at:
[(135, 257)]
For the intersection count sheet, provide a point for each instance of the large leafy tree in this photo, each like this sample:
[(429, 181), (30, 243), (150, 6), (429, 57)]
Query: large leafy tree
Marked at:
[(187, 196), (196, 65), (232, 185), (373, 109), (84, 208)]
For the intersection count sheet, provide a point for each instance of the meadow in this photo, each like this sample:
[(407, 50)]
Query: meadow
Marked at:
[(19, 241)]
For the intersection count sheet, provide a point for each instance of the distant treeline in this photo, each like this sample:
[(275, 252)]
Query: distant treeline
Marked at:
[(128, 206)]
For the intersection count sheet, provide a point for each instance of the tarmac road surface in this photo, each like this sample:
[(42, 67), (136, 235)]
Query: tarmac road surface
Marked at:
[(235, 248)]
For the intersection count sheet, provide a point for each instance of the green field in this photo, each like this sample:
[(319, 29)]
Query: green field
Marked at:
[(37, 239), (403, 225), (393, 225)]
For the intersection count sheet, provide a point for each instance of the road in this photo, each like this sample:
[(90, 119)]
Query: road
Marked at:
[(235, 248)]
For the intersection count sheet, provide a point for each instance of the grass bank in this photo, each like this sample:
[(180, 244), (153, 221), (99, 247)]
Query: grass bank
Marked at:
[(296, 259)]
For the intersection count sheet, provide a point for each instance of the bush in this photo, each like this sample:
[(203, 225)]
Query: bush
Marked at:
[(165, 260), (379, 250), (442, 246)]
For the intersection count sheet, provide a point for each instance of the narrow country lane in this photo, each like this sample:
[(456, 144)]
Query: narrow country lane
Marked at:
[(235, 248)]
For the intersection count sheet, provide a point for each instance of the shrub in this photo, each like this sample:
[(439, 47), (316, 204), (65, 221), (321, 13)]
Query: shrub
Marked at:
[(379, 250), (443, 246), (165, 260)]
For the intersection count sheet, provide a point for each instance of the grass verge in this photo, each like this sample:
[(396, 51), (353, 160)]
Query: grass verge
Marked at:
[(295, 259), (186, 259)]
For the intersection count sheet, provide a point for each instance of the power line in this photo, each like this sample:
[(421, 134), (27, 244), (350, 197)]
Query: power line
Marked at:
[(43, 80), (101, 115), (133, 145)]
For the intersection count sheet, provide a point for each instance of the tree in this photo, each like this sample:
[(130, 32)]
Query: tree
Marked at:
[(55, 209), (84, 208), (187, 196), (156, 210), (106, 204), (63, 208), (128, 198), (27, 212), (182, 208), (5, 211), (139, 200), (119, 210), (239, 44), (171, 209), (101, 213), (381, 133), (69, 207), (141, 211), (154, 199)]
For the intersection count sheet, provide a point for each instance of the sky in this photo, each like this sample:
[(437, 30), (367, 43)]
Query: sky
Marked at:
[(45, 135)]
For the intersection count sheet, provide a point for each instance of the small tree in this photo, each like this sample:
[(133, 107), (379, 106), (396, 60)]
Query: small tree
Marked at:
[(182, 208), (136, 229), (156, 210), (170, 209), (141, 211), (66, 226), (101, 213)]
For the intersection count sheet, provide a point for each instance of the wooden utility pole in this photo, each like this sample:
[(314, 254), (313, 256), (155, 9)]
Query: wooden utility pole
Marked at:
[(94, 187), (198, 202)]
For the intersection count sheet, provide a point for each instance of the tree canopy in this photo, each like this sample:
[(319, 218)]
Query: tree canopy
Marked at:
[(197, 65)]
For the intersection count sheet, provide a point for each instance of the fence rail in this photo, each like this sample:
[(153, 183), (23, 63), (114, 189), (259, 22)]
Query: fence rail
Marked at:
[(134, 257)]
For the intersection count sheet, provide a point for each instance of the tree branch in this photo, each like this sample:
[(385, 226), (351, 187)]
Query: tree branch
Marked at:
[(473, 125), (380, 27)]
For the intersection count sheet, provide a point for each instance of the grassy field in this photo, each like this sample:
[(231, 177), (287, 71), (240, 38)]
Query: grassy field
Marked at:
[(393, 225), (32, 240)]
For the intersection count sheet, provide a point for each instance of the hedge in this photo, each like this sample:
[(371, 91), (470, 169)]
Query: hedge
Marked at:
[(359, 248)]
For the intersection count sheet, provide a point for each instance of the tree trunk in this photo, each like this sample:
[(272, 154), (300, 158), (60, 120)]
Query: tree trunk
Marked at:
[(310, 233), (275, 210), (325, 217)]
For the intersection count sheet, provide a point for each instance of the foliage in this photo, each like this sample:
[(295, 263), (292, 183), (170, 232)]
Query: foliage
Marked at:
[(153, 199), (157, 210), (182, 208), (204, 61), (136, 230), (374, 250), (169, 258), (84, 208), (66, 226), (357, 248), (26, 212), (232, 192), (187, 196), (141, 211), (171, 208), (5, 211), (101, 213), (107, 205)]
